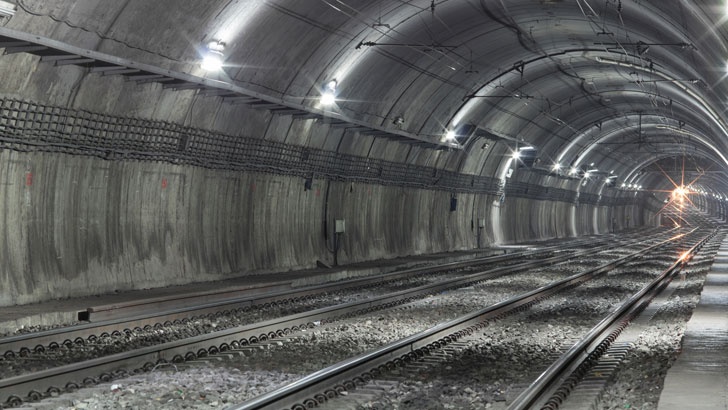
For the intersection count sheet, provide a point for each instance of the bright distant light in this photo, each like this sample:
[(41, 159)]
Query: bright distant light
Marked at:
[(450, 135), (516, 155), (679, 193), (556, 167)]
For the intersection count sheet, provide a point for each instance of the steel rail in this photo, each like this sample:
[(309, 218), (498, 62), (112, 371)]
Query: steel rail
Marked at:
[(77, 333), (34, 385), (547, 391), (116, 310), (325, 384), (38, 341)]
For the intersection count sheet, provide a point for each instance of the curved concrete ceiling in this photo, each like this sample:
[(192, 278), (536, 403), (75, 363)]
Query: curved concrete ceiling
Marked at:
[(616, 83)]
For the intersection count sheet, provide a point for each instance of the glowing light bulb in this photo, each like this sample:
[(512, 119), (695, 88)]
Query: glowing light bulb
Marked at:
[(212, 62), (328, 96), (213, 58)]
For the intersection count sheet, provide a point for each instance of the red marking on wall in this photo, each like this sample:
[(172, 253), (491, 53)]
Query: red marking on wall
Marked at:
[(252, 187), (164, 183), (28, 178), (318, 191)]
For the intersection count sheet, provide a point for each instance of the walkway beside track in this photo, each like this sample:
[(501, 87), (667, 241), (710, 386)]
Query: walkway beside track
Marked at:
[(699, 377)]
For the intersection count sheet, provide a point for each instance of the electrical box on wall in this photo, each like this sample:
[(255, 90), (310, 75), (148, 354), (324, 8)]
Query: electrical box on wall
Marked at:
[(340, 226), (453, 204)]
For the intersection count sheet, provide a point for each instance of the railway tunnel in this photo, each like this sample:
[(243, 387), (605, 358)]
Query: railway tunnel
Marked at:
[(146, 145)]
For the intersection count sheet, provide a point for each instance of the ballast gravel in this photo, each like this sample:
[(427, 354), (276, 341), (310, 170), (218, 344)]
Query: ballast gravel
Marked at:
[(487, 374), (139, 338), (639, 381)]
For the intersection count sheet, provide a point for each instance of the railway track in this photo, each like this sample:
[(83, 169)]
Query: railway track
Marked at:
[(23, 344), (553, 387), (342, 379), (40, 384)]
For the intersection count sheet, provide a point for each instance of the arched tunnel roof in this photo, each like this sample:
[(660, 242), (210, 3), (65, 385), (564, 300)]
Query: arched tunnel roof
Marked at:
[(627, 86)]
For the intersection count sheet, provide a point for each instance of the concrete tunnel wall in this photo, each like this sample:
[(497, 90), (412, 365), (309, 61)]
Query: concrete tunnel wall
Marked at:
[(77, 225)]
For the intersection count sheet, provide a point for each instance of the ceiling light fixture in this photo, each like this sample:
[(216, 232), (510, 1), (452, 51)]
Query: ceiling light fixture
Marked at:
[(328, 94), (7, 9), (213, 58)]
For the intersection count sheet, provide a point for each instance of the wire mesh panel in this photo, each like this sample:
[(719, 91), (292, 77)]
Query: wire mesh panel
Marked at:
[(29, 126), (591, 199)]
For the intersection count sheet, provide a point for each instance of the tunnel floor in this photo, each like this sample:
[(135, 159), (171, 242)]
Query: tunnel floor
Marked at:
[(699, 377), (30, 317)]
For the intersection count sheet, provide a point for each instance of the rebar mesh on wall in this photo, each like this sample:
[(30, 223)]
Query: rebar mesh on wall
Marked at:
[(30, 126), (538, 192)]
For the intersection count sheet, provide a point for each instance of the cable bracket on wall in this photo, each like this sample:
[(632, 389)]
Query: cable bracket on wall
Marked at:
[(62, 54)]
